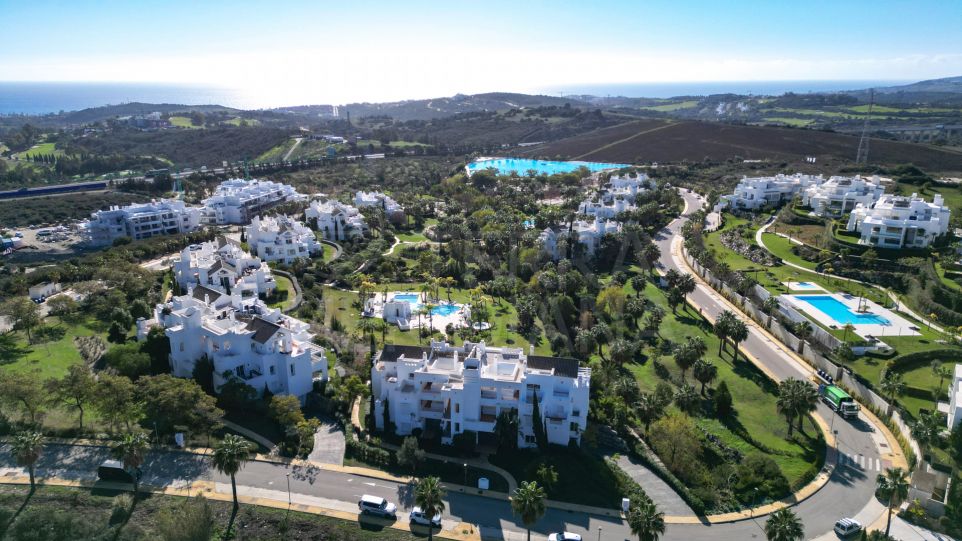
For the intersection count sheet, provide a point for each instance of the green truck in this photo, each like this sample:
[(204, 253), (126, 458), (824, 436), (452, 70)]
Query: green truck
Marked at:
[(839, 400)]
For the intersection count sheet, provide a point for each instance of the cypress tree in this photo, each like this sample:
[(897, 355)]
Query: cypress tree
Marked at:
[(540, 436)]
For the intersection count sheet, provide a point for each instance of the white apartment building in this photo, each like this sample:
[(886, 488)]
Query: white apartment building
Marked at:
[(753, 193), (955, 398), (222, 265), (454, 389), (392, 209), (588, 233), (140, 221), (258, 345), (281, 239), (605, 209), (896, 221), (237, 200), (335, 220), (839, 195), (627, 186)]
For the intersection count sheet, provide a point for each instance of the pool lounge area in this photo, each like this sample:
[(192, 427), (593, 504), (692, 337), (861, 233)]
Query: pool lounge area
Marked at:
[(523, 165), (402, 309), (835, 310)]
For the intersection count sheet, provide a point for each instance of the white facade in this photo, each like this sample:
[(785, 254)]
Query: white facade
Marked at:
[(588, 233), (753, 193), (839, 195), (955, 398), (393, 210), (900, 222), (44, 290), (335, 220), (140, 221), (237, 200), (281, 239), (627, 186), (606, 210), (224, 266), (247, 340), (458, 389)]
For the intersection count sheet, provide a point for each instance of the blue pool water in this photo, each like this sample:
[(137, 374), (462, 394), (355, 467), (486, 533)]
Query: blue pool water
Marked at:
[(841, 313), (522, 166), (411, 298), (445, 309)]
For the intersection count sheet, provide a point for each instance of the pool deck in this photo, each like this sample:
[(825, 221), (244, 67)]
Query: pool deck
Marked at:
[(897, 325), (804, 287), (457, 318)]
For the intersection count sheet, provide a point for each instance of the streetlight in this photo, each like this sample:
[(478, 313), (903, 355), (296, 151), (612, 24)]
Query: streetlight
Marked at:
[(465, 474), (599, 533), (288, 492)]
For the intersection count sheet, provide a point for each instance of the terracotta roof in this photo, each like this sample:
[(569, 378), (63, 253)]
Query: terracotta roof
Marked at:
[(562, 366)]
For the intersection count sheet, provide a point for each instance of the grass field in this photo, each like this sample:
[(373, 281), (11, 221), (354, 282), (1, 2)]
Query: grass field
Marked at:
[(798, 122), (669, 107), (782, 248), (284, 293), (41, 149), (753, 392), (182, 122), (236, 121), (504, 318), (52, 359), (90, 512)]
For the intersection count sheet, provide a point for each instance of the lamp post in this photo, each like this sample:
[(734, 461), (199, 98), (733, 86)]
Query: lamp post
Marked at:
[(599, 533), (465, 474), (288, 492)]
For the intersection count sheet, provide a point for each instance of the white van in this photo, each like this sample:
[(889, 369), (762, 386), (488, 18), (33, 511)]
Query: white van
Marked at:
[(847, 527)]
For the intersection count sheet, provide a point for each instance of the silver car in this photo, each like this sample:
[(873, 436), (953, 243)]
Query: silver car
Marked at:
[(419, 517)]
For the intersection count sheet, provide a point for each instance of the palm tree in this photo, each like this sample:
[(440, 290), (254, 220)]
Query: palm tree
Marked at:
[(528, 503), (788, 401), (893, 485), (429, 496), (649, 409), (927, 430), (770, 305), (784, 525), (27, 447), (891, 386), (686, 398), (229, 457), (130, 450), (705, 372), (646, 521), (429, 309), (807, 401), (737, 333), (847, 328), (941, 372), (803, 330), (722, 327)]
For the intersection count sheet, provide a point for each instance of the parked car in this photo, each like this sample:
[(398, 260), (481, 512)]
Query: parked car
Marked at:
[(375, 505), (113, 470), (564, 536), (419, 517), (847, 527)]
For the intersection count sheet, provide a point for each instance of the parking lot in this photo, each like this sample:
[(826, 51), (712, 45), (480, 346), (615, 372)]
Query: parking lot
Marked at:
[(46, 242)]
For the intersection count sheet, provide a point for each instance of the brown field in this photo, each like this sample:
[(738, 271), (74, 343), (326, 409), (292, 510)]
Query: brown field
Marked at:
[(645, 141)]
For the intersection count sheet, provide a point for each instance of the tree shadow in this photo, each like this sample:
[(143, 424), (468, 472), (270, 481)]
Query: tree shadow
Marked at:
[(405, 494), (13, 518)]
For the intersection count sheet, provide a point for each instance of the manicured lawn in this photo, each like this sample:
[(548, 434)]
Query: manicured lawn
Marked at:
[(799, 122), (504, 318), (284, 293), (182, 122), (782, 248), (53, 358), (41, 149), (753, 393), (411, 237), (669, 107), (236, 121)]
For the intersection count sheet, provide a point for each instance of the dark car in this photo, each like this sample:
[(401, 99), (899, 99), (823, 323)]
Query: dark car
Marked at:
[(113, 470)]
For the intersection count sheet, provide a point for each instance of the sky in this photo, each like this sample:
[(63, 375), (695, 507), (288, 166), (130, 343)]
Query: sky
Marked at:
[(355, 50)]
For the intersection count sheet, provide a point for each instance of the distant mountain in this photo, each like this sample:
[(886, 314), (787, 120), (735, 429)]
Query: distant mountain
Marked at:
[(946, 91), (948, 85)]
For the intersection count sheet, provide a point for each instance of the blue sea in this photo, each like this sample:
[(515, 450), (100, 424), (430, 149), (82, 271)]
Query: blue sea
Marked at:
[(43, 98)]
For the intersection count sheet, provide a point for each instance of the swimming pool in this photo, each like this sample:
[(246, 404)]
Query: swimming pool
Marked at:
[(410, 298), (522, 166), (842, 314), (445, 309)]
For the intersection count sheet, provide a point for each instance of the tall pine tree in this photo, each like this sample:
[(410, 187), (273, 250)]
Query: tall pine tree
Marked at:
[(540, 436)]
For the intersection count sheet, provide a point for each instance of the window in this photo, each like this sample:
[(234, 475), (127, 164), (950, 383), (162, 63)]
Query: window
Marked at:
[(273, 370), (529, 439), (182, 346), (457, 427), (292, 369), (457, 408)]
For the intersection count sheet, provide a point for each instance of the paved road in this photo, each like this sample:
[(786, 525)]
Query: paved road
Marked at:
[(848, 493)]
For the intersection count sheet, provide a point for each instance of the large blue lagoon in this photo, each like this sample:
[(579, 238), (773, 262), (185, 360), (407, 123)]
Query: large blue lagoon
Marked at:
[(522, 166)]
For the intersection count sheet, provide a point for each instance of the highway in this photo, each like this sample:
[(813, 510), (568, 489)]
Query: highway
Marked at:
[(849, 492)]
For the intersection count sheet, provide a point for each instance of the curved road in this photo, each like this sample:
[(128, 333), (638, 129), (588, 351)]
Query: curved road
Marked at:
[(848, 493)]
